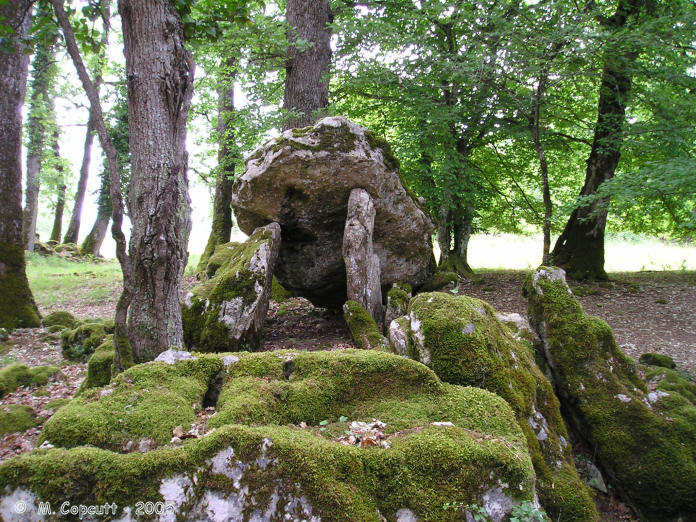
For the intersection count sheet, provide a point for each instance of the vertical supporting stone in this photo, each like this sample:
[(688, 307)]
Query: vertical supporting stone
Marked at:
[(362, 264)]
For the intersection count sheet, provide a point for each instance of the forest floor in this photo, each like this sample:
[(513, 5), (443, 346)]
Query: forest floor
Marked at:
[(648, 312)]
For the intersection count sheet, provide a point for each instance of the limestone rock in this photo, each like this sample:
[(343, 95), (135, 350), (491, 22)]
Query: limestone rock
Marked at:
[(462, 340), (227, 312), (644, 440), (397, 304), (363, 327), (303, 180), (275, 452), (362, 264)]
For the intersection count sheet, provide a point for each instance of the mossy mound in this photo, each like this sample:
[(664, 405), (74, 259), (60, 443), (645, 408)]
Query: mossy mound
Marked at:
[(440, 280), (657, 359), (644, 441), (278, 293), (62, 319), (16, 375), (398, 297), (663, 379), (363, 328), (78, 343), (261, 462), (463, 341), (15, 417), (227, 312), (100, 367)]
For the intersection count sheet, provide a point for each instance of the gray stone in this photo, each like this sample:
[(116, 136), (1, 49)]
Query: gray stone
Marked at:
[(362, 265), (303, 180)]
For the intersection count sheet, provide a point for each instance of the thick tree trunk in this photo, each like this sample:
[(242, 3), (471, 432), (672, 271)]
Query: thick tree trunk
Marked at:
[(227, 155), (580, 247), (453, 234), (160, 84), (40, 105), (73, 233), (307, 71), (17, 307)]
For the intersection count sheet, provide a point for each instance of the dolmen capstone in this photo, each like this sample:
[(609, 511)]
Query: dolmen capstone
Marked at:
[(304, 180)]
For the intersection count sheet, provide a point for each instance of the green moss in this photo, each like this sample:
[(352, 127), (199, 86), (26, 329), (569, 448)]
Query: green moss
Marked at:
[(667, 380), (219, 257), (461, 339), (72, 248), (278, 293), (17, 306), (100, 367), (657, 359), (57, 404), (440, 280), (60, 319), (378, 142), (424, 467), (301, 132), (79, 343), (398, 298), (203, 329), (645, 443), (16, 375), (15, 417), (363, 327)]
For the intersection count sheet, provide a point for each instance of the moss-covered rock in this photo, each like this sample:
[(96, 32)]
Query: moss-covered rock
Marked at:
[(227, 312), (219, 257), (78, 343), (363, 328), (278, 293), (462, 340), (645, 441), (60, 319), (16, 417), (657, 359), (100, 367), (261, 463), (16, 375), (397, 304), (440, 280)]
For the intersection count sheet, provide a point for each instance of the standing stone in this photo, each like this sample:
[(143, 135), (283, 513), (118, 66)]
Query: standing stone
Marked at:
[(362, 265), (303, 179), (227, 312)]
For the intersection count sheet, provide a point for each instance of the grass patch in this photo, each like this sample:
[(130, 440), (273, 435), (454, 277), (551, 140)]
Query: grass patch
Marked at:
[(56, 281)]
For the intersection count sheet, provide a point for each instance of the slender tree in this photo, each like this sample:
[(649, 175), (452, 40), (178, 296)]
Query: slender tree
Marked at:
[(308, 61), (17, 306), (59, 209), (159, 71)]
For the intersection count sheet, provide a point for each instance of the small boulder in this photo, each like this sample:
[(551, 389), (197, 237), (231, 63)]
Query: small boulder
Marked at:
[(63, 319), (397, 304), (657, 359), (363, 327), (227, 312), (644, 440), (303, 180)]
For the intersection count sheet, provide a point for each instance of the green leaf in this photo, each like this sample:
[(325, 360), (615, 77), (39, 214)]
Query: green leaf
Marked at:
[(342, 418), (323, 423)]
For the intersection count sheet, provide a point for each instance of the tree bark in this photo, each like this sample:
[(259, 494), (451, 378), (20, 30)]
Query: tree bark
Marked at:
[(580, 247), (227, 155), (40, 105), (159, 73), (93, 242), (307, 71), (60, 192), (17, 306)]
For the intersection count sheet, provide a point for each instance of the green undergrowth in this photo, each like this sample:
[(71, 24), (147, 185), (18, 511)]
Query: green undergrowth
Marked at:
[(461, 339), (644, 441), (16, 417), (16, 375), (265, 401)]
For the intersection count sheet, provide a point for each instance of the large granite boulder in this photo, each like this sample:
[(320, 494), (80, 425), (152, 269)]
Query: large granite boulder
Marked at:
[(644, 437), (303, 180), (463, 341), (350, 435), (227, 312)]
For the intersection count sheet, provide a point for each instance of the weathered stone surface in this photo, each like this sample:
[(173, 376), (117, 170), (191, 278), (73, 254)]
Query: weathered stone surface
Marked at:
[(303, 179), (644, 437), (227, 312), (362, 264), (462, 340), (278, 449)]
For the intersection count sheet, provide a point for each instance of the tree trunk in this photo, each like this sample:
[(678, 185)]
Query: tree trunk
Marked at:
[(73, 233), (580, 247), (40, 104), (159, 71), (444, 234), (93, 242), (17, 306), (56, 232), (307, 71), (227, 155)]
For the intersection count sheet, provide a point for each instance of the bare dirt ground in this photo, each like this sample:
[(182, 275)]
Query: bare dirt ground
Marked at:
[(648, 312)]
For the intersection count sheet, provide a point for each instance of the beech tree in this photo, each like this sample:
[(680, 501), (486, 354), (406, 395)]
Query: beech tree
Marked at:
[(308, 61), (17, 307)]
